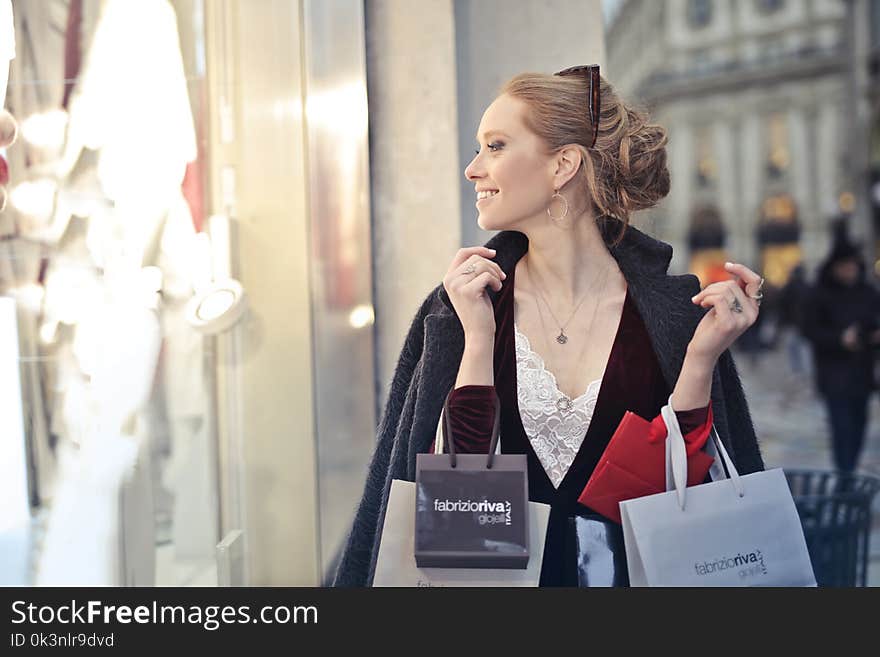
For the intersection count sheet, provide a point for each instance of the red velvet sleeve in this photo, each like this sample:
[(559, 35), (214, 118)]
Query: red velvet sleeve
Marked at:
[(693, 419), (472, 414), (695, 425)]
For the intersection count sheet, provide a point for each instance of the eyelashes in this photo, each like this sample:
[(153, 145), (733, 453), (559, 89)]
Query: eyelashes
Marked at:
[(492, 147)]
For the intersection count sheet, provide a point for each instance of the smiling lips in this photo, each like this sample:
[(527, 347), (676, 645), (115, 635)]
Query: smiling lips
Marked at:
[(486, 194)]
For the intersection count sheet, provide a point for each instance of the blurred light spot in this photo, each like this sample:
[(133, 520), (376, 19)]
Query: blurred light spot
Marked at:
[(45, 129), (35, 198), (48, 332), (361, 316)]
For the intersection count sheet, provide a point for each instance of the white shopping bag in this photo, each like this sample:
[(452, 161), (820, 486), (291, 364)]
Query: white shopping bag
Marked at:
[(396, 563), (741, 531)]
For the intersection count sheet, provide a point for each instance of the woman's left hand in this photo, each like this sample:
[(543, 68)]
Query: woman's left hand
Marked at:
[(733, 310)]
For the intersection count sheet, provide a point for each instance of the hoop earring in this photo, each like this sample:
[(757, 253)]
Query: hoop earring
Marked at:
[(564, 214)]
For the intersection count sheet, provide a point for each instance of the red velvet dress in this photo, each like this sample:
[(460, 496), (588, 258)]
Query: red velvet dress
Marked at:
[(632, 381)]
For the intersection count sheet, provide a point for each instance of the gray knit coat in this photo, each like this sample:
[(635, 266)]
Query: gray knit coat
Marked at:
[(429, 361)]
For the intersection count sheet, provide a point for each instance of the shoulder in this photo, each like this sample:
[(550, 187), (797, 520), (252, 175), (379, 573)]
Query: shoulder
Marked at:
[(672, 292), (686, 282)]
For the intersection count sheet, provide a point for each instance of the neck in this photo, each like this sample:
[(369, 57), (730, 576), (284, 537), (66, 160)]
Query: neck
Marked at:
[(568, 262)]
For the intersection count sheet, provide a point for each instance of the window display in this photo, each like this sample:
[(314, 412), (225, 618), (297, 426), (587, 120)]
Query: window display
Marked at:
[(101, 235)]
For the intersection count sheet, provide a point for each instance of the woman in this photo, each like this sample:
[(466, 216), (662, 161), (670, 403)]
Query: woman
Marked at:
[(565, 288), (841, 321)]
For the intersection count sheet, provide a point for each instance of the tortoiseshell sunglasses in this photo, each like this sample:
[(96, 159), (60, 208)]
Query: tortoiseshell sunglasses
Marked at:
[(593, 70)]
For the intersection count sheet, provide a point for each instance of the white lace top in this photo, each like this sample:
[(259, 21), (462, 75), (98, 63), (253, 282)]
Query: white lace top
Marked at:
[(555, 428)]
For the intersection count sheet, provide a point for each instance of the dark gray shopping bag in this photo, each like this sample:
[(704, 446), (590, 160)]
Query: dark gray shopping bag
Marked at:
[(396, 563), (471, 509)]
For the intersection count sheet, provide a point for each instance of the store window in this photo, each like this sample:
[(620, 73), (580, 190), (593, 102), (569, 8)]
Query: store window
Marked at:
[(699, 13), (102, 247), (778, 235), (706, 239)]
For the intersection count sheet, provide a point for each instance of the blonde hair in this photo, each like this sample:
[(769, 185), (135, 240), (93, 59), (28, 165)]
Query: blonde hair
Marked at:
[(625, 170)]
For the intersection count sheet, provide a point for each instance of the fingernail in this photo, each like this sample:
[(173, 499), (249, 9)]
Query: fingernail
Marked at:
[(728, 264), (503, 275)]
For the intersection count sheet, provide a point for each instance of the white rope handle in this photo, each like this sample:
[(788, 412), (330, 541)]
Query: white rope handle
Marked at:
[(676, 456)]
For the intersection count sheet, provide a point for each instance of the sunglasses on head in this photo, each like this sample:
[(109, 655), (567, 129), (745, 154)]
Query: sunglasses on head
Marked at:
[(593, 70)]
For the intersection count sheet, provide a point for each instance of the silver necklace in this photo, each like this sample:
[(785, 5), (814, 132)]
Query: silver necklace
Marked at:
[(564, 403), (562, 338)]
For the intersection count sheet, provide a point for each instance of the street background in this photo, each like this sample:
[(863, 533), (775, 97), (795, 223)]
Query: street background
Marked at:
[(792, 428)]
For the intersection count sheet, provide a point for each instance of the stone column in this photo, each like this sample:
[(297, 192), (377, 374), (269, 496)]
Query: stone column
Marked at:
[(413, 162), (827, 156), (799, 148), (728, 192), (751, 175), (680, 158)]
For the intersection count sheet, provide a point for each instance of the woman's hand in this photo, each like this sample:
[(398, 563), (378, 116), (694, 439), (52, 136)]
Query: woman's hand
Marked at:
[(469, 274), (733, 310)]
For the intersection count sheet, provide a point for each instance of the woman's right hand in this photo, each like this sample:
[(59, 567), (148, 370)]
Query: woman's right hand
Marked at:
[(467, 291)]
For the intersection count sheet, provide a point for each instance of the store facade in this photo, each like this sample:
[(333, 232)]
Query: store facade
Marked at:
[(185, 259)]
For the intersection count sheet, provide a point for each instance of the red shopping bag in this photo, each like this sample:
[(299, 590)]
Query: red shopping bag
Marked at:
[(634, 465)]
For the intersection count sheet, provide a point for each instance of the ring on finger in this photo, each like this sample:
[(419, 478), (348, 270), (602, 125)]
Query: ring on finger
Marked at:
[(758, 295), (470, 269)]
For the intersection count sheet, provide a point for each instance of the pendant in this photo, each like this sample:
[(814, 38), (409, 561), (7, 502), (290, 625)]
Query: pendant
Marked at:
[(562, 338), (564, 404)]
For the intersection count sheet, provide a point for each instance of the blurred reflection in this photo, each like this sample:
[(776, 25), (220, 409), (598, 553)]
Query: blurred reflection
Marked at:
[(336, 119), (106, 208)]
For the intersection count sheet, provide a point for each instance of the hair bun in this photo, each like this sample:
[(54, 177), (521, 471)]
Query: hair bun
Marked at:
[(644, 176), (625, 169)]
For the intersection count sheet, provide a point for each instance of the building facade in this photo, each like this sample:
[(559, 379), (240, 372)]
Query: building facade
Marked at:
[(755, 96), (864, 38)]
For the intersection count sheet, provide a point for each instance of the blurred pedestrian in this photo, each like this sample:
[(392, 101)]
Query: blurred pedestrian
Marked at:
[(792, 300), (841, 321)]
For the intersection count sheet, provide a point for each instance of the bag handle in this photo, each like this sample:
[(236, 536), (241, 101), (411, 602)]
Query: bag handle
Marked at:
[(676, 456), (447, 432)]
